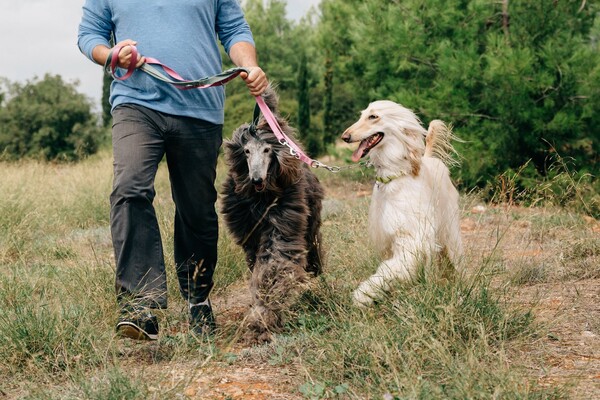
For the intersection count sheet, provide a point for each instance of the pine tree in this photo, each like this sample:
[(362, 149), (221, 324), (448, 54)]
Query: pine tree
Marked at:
[(517, 79), (106, 116)]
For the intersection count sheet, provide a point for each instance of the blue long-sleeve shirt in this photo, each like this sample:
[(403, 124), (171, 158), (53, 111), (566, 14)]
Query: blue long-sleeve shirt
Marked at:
[(182, 34)]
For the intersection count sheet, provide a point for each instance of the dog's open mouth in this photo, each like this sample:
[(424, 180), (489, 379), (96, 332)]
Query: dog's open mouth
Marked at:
[(260, 187), (366, 145)]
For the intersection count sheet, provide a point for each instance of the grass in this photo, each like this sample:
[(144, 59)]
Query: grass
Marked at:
[(428, 339)]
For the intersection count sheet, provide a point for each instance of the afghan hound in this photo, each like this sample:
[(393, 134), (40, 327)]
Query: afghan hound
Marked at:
[(414, 212), (272, 206)]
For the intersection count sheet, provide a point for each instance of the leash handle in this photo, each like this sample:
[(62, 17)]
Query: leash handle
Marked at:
[(112, 62)]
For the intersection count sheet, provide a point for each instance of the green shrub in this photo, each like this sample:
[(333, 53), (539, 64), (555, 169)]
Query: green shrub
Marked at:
[(48, 120)]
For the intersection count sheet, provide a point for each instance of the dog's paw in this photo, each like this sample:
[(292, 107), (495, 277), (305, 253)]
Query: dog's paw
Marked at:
[(362, 299), (256, 338)]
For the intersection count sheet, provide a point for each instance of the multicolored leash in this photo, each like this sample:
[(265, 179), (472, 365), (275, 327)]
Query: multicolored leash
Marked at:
[(111, 66), (216, 80)]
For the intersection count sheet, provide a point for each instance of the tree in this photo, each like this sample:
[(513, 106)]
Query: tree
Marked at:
[(303, 98), (107, 80), (279, 46), (311, 139), (517, 79), (106, 115), (47, 119)]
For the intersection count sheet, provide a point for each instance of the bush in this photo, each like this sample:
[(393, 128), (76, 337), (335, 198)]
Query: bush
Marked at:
[(49, 120)]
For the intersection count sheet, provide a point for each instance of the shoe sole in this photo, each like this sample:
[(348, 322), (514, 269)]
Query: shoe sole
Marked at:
[(132, 331)]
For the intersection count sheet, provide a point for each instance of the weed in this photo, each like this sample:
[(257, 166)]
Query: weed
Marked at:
[(425, 339)]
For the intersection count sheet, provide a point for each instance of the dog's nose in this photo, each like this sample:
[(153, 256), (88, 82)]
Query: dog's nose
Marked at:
[(346, 136), (257, 181)]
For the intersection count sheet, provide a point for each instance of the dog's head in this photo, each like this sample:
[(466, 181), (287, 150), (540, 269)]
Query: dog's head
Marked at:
[(257, 160), (389, 133)]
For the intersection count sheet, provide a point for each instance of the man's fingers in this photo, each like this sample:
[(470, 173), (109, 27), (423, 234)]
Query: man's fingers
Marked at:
[(256, 80), (140, 62), (126, 53)]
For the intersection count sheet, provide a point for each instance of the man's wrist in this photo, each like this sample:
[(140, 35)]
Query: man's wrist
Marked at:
[(100, 54)]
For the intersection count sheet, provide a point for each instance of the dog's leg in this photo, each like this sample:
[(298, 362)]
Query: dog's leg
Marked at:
[(262, 318), (450, 240), (454, 251), (314, 258), (408, 252), (275, 281)]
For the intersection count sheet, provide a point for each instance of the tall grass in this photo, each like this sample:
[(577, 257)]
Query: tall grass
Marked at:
[(561, 186), (429, 339), (426, 339)]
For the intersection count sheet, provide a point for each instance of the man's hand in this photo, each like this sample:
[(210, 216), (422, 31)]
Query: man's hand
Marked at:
[(101, 52), (243, 54), (125, 54), (256, 80)]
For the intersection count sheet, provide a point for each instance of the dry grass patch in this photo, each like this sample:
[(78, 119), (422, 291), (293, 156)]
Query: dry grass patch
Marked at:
[(512, 329)]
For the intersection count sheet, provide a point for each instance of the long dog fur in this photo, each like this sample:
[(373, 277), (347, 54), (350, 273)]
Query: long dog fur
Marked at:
[(414, 212), (275, 217)]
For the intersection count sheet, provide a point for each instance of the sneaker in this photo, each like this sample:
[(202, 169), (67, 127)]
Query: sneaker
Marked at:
[(202, 320), (138, 324)]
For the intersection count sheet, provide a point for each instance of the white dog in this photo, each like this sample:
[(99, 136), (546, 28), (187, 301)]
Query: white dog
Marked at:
[(414, 214)]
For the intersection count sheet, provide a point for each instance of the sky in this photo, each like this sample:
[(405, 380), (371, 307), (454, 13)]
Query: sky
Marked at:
[(40, 36)]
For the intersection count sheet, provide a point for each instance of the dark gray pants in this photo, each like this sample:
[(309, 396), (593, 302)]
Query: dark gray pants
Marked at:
[(141, 137)]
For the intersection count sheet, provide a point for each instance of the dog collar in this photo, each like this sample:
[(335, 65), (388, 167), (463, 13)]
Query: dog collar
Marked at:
[(386, 179)]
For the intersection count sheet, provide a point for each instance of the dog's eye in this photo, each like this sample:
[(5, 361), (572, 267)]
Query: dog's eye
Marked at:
[(373, 116), (247, 151), (266, 150)]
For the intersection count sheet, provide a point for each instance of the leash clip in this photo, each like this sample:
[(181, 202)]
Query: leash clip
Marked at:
[(318, 164)]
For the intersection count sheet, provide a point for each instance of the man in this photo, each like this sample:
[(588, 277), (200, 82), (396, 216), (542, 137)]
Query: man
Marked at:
[(152, 119)]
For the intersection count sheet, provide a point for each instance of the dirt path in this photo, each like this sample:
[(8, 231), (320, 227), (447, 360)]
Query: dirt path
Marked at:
[(571, 350), (568, 309)]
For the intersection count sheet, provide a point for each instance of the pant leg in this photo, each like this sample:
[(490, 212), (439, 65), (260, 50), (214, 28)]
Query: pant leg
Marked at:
[(192, 150), (138, 147)]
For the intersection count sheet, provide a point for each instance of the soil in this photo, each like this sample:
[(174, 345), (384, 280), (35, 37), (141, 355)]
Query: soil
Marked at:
[(568, 309), (566, 357)]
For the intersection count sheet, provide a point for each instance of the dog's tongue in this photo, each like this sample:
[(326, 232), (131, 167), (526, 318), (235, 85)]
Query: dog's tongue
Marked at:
[(358, 153)]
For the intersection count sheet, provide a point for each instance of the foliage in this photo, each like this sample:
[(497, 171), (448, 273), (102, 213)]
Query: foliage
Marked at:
[(280, 46), (106, 115), (49, 120), (517, 83)]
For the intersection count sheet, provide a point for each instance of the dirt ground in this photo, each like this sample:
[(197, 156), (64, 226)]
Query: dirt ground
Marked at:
[(568, 309), (567, 356)]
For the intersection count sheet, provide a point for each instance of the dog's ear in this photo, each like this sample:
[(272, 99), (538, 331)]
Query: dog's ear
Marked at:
[(234, 148), (241, 135), (414, 157), (289, 167), (415, 147)]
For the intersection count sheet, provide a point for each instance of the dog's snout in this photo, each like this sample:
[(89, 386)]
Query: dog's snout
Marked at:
[(346, 136), (257, 181)]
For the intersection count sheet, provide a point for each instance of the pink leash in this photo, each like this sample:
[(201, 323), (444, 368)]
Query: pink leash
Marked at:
[(216, 80), (281, 136)]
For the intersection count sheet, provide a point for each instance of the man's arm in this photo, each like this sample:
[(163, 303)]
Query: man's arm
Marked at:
[(243, 54), (94, 35)]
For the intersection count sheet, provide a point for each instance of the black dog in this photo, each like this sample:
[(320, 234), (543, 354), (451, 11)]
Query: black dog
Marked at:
[(272, 207)]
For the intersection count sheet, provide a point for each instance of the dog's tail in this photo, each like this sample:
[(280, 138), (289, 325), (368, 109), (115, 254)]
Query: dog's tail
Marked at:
[(438, 143)]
